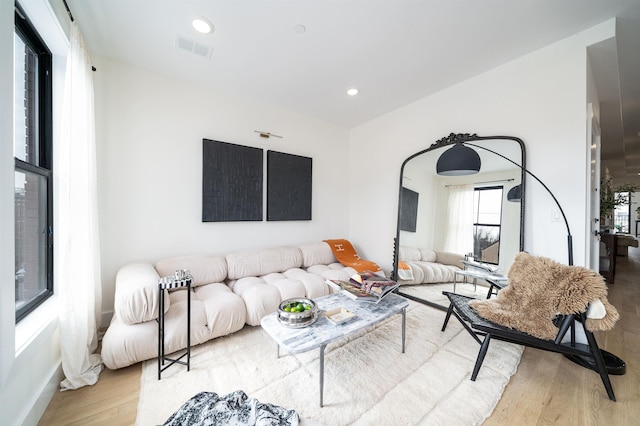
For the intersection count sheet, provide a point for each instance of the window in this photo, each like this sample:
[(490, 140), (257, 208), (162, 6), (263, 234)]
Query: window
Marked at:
[(621, 216), (32, 150), (487, 216)]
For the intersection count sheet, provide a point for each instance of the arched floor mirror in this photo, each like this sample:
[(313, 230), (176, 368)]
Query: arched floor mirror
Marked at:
[(448, 217)]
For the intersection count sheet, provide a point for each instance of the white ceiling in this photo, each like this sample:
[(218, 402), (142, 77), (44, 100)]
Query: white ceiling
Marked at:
[(394, 51)]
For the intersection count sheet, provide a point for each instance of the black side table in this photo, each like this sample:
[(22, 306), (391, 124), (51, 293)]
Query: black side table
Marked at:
[(182, 278)]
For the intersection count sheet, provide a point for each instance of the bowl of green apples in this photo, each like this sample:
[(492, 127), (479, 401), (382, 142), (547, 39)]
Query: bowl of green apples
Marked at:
[(297, 312)]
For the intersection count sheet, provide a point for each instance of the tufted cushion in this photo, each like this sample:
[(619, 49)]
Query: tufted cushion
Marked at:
[(137, 298), (427, 255), (314, 285), (204, 269), (316, 254), (259, 298), (408, 253), (255, 263)]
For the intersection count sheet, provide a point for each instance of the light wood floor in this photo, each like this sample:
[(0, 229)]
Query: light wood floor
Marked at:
[(546, 389)]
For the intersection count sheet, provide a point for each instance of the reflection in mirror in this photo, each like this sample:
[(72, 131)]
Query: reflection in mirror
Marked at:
[(455, 231)]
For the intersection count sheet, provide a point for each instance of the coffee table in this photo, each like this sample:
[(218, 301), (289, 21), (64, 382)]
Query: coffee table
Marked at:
[(322, 332), (478, 271)]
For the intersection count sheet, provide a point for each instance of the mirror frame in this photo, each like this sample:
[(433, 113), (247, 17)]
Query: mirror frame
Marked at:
[(452, 139)]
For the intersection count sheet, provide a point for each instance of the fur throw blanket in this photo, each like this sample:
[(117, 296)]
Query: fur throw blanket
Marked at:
[(539, 289)]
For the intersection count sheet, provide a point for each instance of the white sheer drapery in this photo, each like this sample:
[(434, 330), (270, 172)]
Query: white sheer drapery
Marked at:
[(459, 227), (77, 264)]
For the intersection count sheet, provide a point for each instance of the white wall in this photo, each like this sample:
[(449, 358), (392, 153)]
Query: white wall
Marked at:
[(149, 133), (540, 98), (30, 352)]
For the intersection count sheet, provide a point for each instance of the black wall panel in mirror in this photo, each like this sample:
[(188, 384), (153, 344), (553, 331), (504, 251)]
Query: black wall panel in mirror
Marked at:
[(408, 209)]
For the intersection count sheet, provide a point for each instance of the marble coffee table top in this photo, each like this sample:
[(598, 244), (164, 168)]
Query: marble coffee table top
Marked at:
[(323, 331)]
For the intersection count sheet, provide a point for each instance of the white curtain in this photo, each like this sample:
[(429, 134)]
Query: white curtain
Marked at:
[(77, 281), (459, 227)]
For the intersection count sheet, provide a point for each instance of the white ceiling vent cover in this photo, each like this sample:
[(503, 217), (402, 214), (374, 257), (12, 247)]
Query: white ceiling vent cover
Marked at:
[(193, 47)]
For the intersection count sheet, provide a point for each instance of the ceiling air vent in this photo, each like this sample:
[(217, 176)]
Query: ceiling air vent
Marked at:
[(193, 47)]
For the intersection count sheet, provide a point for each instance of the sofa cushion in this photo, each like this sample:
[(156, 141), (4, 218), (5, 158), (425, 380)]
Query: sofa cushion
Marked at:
[(333, 271), (137, 297), (255, 263), (288, 287), (224, 310), (314, 285), (316, 254), (409, 253), (259, 298), (452, 259), (427, 255), (204, 269)]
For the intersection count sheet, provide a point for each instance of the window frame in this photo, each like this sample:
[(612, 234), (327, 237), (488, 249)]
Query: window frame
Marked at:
[(43, 166), (477, 224)]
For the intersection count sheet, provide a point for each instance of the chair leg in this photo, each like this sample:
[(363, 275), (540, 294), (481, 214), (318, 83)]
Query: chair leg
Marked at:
[(446, 318), (481, 354), (602, 368)]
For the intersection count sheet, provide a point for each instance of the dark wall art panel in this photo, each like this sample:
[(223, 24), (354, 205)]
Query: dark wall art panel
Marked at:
[(288, 186), (231, 182), (408, 210)]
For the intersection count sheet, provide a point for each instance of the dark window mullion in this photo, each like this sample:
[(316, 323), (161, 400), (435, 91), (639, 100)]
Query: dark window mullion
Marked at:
[(34, 183)]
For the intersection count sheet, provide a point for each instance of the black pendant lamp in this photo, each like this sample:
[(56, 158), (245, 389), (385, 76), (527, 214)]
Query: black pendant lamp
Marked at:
[(515, 194), (459, 160)]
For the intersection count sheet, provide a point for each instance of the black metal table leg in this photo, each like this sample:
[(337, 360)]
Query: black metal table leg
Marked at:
[(322, 373)]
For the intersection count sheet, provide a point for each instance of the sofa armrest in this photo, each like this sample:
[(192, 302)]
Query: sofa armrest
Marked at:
[(137, 298)]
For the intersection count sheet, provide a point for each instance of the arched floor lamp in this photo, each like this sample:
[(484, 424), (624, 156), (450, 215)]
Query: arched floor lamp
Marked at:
[(461, 160)]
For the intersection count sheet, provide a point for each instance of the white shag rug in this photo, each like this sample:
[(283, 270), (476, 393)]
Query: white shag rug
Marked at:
[(368, 380)]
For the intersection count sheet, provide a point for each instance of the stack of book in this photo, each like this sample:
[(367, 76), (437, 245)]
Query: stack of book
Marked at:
[(365, 286)]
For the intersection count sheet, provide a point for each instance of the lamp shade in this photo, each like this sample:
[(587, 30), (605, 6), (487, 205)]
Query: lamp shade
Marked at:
[(515, 194), (459, 160)]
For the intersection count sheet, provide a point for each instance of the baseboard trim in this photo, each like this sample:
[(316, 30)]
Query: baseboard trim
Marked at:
[(41, 401)]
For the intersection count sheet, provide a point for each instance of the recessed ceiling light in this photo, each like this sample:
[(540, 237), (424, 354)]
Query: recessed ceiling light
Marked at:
[(300, 29), (352, 92), (202, 25)]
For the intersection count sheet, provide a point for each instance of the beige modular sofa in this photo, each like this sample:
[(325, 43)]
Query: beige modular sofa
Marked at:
[(429, 266), (228, 292)]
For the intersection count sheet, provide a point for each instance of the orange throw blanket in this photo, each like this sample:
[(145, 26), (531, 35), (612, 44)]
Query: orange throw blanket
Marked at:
[(404, 271), (346, 254)]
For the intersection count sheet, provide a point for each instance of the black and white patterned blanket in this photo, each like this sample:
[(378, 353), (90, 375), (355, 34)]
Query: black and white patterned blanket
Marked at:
[(236, 408)]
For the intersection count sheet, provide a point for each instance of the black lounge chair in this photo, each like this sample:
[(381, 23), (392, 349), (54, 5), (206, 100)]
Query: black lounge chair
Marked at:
[(588, 355)]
